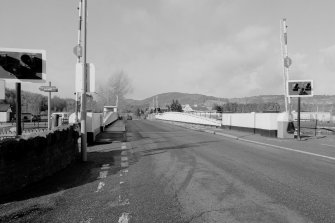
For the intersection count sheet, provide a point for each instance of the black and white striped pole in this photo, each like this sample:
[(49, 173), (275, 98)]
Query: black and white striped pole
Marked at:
[(286, 63)]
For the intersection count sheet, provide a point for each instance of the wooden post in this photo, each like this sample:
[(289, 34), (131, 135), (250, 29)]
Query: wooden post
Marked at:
[(18, 110)]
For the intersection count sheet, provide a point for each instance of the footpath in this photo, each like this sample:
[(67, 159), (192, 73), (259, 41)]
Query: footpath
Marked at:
[(318, 146), (79, 191), (115, 132)]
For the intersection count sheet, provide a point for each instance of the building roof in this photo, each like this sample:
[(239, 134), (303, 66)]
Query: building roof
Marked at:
[(5, 108)]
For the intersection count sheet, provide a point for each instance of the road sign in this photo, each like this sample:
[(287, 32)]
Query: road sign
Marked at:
[(287, 62), (22, 65), (78, 50), (48, 88), (300, 88)]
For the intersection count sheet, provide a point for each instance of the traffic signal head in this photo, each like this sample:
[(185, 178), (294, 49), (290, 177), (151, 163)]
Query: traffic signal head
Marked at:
[(28, 65), (300, 88), (295, 87), (33, 62)]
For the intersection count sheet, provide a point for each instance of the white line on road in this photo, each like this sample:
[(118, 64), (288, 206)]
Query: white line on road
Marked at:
[(125, 217), (288, 149), (124, 164), (124, 158), (87, 221), (100, 186), (105, 168), (102, 174)]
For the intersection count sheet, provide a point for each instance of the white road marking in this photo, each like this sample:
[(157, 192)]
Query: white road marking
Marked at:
[(100, 186), (87, 221), (289, 149), (102, 174), (125, 217), (328, 145), (124, 158), (124, 164), (125, 202)]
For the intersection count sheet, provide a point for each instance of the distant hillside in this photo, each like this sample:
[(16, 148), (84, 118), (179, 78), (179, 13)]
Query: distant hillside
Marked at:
[(318, 102), (183, 98)]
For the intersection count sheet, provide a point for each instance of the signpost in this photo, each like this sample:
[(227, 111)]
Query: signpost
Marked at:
[(299, 89), (49, 89)]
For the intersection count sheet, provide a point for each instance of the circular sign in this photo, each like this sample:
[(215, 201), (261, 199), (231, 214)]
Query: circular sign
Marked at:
[(77, 50), (287, 62)]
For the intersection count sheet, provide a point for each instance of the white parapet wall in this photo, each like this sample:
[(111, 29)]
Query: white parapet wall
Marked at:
[(262, 123), (187, 118), (94, 121), (109, 117)]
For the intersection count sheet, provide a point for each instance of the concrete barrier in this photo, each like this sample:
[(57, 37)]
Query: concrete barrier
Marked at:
[(94, 122), (260, 123), (28, 159), (187, 118)]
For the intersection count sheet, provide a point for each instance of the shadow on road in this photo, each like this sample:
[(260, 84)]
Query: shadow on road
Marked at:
[(76, 174)]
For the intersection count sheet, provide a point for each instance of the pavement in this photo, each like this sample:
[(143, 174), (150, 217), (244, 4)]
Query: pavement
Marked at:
[(118, 126), (112, 133)]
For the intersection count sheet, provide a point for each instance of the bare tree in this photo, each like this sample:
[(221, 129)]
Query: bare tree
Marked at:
[(114, 90)]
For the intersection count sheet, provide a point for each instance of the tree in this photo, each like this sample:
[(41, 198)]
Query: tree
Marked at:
[(114, 90), (176, 106), (217, 107)]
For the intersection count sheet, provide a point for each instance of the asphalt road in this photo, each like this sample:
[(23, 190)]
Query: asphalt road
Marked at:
[(167, 173)]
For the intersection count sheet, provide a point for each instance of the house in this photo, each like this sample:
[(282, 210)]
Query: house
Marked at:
[(5, 111), (187, 108)]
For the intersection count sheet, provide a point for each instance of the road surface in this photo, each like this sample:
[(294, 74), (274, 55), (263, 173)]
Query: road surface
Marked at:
[(167, 173)]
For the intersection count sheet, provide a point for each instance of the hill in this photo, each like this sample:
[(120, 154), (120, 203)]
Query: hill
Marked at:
[(318, 102)]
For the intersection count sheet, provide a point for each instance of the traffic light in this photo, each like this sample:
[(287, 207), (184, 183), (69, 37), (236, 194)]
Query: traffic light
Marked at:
[(22, 64), (300, 88), (33, 62), (295, 87)]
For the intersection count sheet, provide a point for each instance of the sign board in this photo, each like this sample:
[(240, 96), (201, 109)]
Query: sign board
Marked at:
[(23, 65), (90, 77), (48, 89), (2, 90), (300, 88)]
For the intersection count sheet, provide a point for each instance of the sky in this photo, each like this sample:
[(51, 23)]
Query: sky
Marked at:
[(222, 48)]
